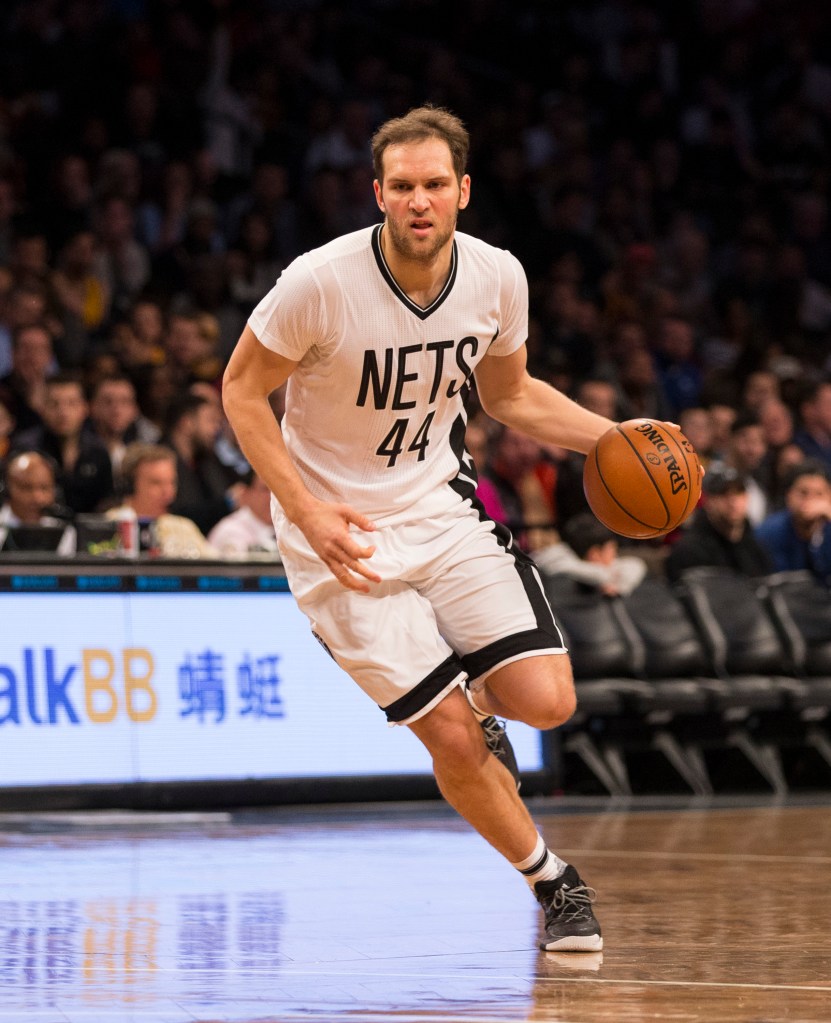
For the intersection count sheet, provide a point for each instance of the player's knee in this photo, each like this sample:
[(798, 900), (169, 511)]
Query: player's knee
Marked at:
[(555, 708), (456, 749)]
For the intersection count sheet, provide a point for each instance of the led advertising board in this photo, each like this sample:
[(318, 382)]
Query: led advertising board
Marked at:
[(102, 688)]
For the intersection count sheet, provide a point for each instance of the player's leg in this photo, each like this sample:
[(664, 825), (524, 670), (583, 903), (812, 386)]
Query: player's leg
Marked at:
[(479, 787), (490, 605), (475, 783)]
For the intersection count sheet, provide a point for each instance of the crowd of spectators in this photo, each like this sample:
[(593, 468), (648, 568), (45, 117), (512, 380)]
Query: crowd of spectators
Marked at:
[(662, 171)]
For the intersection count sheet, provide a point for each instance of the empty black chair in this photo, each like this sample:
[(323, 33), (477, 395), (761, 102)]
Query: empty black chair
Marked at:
[(749, 656), (801, 609), (609, 663)]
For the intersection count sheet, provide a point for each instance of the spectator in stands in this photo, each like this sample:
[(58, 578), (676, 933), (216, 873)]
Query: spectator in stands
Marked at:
[(84, 473), (191, 348), (679, 374), (478, 443), (600, 396), (148, 479), (814, 433), (207, 489), (122, 263), (799, 536), (146, 318), (776, 420), (642, 395), (525, 481), (6, 430), (697, 426), (81, 293), (589, 553), (115, 418), (23, 390), (249, 529), (720, 534), (722, 417), (29, 497), (746, 452), (761, 386)]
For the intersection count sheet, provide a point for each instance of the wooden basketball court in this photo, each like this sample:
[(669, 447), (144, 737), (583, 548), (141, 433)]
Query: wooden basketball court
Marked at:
[(711, 912)]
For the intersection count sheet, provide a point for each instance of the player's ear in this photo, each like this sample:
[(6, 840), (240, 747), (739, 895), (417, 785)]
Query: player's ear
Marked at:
[(464, 187), (376, 184)]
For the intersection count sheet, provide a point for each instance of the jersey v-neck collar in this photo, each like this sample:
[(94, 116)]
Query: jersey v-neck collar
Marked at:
[(422, 312)]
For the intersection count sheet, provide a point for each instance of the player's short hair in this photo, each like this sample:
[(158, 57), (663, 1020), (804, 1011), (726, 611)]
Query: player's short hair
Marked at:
[(421, 123), (139, 454)]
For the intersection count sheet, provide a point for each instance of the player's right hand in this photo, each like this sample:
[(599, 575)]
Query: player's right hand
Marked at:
[(326, 527)]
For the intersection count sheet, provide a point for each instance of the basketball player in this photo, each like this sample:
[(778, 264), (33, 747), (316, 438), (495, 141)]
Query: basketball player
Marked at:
[(422, 599)]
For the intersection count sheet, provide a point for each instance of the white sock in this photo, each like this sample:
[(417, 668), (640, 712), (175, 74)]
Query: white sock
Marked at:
[(541, 865), (480, 714)]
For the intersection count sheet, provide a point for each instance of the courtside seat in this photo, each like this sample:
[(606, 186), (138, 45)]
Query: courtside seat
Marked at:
[(761, 684), (608, 660), (800, 607)]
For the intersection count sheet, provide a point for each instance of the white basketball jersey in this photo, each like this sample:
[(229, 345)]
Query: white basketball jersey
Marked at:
[(375, 409)]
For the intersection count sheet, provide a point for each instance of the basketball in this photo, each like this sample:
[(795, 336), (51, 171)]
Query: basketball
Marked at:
[(642, 478)]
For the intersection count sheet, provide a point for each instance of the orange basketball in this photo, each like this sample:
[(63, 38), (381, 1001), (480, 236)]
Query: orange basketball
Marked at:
[(642, 478)]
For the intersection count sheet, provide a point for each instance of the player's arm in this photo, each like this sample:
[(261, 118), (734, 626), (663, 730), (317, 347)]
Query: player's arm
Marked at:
[(510, 395), (253, 372)]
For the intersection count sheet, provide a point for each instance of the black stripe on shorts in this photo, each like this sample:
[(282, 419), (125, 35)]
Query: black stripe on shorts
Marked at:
[(426, 690), (509, 647)]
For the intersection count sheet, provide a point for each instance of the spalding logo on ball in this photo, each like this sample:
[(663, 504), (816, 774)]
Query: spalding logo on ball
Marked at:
[(642, 478)]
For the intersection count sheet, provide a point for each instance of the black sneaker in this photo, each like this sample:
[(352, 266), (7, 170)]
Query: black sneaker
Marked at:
[(500, 745), (570, 924)]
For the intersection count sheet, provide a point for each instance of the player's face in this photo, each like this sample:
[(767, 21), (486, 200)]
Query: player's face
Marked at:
[(421, 198)]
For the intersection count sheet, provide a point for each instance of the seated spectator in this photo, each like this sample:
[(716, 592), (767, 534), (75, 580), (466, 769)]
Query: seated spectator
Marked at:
[(207, 490), (6, 429), (722, 418), (776, 420), (525, 481), (81, 294), (477, 442), (588, 553), (678, 370), (746, 450), (761, 386), (136, 338), (785, 458), (720, 534), (799, 536), (29, 497), (814, 433), (697, 426), (23, 390), (642, 394), (249, 529), (600, 396), (148, 476), (85, 476), (116, 420)]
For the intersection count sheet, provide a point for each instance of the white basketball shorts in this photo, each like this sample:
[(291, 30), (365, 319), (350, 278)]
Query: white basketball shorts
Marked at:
[(457, 601)]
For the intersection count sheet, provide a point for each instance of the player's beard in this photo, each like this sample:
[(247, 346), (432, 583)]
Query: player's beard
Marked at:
[(408, 247)]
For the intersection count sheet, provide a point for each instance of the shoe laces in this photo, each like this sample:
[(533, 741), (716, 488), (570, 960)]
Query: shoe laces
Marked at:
[(494, 730), (571, 903)]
